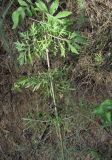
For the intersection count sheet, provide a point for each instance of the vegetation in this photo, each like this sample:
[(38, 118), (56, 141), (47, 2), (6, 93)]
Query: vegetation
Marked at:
[(105, 111), (56, 69)]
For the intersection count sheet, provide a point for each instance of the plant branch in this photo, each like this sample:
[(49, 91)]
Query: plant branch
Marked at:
[(62, 39)]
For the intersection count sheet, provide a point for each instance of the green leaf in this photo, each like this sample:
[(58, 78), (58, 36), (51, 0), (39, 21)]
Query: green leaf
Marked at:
[(54, 7), (73, 49), (21, 11), (29, 12), (80, 40), (104, 110), (30, 58), (21, 58), (41, 6), (62, 48), (107, 103), (33, 10), (98, 111), (109, 116), (63, 14), (17, 16), (77, 37), (29, 1), (22, 3), (37, 87)]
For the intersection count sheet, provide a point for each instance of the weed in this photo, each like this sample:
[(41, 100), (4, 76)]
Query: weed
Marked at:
[(51, 36), (104, 111), (57, 39)]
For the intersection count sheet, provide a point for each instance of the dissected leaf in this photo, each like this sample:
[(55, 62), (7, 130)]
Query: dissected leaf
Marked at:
[(62, 48), (22, 58)]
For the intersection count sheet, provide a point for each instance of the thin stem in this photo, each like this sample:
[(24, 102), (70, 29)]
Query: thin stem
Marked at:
[(58, 130), (59, 38)]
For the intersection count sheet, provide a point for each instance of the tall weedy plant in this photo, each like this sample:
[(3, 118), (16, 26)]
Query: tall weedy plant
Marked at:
[(50, 36)]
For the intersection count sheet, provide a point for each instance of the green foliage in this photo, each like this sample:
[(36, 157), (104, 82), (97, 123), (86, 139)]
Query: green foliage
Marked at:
[(54, 7), (41, 6), (51, 36), (26, 9), (52, 33), (104, 110), (44, 39), (54, 28), (41, 82)]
